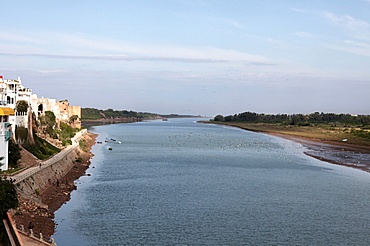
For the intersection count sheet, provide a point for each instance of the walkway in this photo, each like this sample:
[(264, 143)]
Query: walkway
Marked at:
[(32, 170), (29, 240)]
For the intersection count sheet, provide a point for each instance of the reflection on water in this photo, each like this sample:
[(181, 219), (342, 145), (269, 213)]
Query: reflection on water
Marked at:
[(179, 182)]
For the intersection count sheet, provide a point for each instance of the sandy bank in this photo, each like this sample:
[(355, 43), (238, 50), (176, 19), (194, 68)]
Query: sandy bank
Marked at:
[(348, 154), (340, 153)]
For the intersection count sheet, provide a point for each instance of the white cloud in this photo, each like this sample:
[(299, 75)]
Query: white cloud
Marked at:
[(303, 34), (356, 33), (351, 46), (18, 38), (78, 46), (235, 23), (356, 28), (302, 11)]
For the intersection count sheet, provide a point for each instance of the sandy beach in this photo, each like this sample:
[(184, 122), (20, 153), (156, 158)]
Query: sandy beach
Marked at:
[(340, 153), (318, 145)]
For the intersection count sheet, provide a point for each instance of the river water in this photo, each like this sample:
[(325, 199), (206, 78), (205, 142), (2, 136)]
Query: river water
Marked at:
[(179, 182)]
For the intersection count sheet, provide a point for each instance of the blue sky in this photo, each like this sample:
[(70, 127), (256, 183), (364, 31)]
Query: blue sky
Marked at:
[(202, 57)]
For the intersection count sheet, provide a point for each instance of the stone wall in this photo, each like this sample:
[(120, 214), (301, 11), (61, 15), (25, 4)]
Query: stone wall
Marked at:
[(46, 176), (62, 110)]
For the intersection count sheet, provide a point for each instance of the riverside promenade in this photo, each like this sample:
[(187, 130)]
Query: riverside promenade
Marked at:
[(44, 164), (24, 238)]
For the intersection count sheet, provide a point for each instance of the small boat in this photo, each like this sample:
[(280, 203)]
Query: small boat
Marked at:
[(164, 119)]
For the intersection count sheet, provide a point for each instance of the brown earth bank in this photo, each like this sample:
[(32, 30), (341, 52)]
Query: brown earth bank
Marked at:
[(104, 121), (41, 210)]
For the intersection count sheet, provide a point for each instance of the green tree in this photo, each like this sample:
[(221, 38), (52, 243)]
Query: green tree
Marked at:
[(72, 119), (50, 119), (22, 106), (8, 200), (48, 122), (8, 196), (14, 153), (219, 118)]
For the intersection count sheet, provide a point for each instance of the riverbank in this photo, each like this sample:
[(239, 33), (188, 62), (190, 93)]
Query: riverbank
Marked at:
[(323, 144), (40, 205)]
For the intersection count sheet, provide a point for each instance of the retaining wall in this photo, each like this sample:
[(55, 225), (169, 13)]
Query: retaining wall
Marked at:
[(46, 175)]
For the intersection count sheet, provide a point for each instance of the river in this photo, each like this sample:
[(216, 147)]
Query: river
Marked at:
[(179, 182)]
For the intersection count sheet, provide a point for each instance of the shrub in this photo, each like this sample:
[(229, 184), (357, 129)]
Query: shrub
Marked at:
[(82, 144), (66, 133), (8, 196), (14, 153), (21, 134)]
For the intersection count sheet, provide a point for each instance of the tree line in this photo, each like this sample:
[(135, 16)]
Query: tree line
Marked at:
[(297, 119), (97, 114)]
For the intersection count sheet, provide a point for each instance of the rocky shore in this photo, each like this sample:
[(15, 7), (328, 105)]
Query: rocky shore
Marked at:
[(39, 208)]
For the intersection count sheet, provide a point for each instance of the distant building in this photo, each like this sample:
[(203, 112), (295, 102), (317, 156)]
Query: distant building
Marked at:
[(61, 109)]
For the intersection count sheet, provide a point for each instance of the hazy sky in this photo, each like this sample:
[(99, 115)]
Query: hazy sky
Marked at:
[(203, 57)]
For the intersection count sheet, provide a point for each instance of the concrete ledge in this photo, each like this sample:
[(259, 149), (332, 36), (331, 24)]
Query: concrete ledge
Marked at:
[(11, 230)]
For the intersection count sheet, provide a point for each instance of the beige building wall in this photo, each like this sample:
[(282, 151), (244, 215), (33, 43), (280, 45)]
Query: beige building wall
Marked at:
[(75, 110), (61, 110), (47, 104)]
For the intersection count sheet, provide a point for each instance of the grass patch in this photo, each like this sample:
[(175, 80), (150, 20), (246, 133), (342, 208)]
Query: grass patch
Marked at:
[(82, 144), (42, 148), (66, 133), (12, 170), (323, 132)]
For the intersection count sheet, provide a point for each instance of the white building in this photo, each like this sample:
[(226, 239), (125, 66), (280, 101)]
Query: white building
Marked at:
[(5, 135), (12, 91)]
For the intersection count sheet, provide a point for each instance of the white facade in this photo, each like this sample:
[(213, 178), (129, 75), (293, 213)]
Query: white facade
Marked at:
[(13, 91), (5, 134)]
